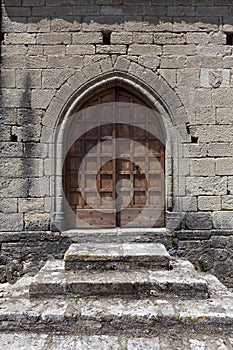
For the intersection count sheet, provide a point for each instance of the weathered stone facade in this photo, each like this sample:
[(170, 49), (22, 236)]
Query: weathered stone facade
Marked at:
[(177, 55)]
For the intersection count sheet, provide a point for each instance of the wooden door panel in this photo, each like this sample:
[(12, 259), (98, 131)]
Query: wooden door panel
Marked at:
[(139, 217), (95, 218), (124, 181)]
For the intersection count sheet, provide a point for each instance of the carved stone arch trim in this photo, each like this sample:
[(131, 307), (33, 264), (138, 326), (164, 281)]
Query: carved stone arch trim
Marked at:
[(149, 86)]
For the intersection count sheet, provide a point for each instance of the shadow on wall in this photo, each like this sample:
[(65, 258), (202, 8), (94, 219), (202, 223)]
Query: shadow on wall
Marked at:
[(117, 12)]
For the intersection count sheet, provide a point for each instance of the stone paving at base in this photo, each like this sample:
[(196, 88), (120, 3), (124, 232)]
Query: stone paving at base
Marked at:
[(33, 341)]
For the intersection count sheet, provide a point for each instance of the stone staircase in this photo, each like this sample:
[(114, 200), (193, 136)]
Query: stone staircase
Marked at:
[(121, 296)]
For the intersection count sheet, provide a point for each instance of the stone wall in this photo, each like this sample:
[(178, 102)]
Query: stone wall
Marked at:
[(181, 50)]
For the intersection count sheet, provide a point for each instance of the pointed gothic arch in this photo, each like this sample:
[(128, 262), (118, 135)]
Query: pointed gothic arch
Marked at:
[(152, 89)]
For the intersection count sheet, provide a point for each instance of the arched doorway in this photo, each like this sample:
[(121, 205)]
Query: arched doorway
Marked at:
[(114, 171)]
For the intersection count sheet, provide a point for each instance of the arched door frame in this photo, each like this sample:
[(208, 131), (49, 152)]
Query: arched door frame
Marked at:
[(174, 128)]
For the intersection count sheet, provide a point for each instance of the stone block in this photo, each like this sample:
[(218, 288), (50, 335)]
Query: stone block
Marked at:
[(54, 50), (31, 77), (212, 185), (197, 98), (8, 205), (202, 167), (41, 98), (142, 38), (36, 221), (87, 38), (106, 65), (189, 204), (51, 11), (179, 50), (136, 69), (11, 149), (195, 221), (36, 150), (169, 38), (38, 25), (35, 62), (140, 49), (31, 205), (127, 256), (121, 38), (173, 62), (189, 78), (55, 77), (33, 2), (215, 133), (212, 11), (14, 25), (54, 38), (12, 98), (7, 78), (224, 115), (206, 114), (215, 78), (220, 149), (227, 202), (39, 187), (20, 38), (209, 203), (71, 24), (197, 38), (156, 24), (150, 62), (8, 116), (195, 150), (230, 184), (29, 116), (81, 49), (12, 188), (21, 167), (74, 61), (181, 11), (13, 61), (86, 10), (122, 64), (37, 50), (213, 50), (92, 71), (224, 166), (223, 220), (11, 222), (111, 49), (18, 11), (206, 185), (30, 132), (184, 167)]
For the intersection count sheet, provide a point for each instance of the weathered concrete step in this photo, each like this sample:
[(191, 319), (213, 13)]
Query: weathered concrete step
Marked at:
[(104, 256), (45, 341), (53, 280)]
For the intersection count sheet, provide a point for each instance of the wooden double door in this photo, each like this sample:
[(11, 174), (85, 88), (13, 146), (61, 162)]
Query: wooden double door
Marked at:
[(114, 171)]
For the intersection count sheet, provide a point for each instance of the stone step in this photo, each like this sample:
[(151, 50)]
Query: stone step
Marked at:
[(116, 256), (53, 280), (121, 317), (117, 316), (48, 341)]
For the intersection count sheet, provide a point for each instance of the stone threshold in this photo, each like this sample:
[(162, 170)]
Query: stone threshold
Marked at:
[(116, 234)]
